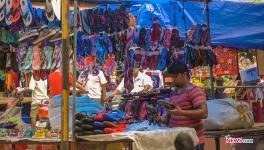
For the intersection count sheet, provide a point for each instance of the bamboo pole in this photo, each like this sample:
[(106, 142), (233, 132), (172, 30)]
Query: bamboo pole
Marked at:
[(65, 75)]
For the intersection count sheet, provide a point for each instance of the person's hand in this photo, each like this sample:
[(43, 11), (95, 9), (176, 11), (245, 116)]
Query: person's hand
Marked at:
[(176, 111), (157, 118), (19, 90), (109, 97)]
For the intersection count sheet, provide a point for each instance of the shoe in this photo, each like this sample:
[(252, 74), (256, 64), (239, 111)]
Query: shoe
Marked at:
[(56, 37), (109, 124), (87, 120), (40, 134), (27, 60), (87, 127), (80, 115), (4, 133), (78, 129), (98, 132), (8, 125), (29, 34), (78, 123), (44, 34), (165, 104), (28, 133), (53, 134), (98, 125), (48, 53)]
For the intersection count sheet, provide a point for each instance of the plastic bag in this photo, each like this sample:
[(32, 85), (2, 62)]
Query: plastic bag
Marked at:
[(228, 114)]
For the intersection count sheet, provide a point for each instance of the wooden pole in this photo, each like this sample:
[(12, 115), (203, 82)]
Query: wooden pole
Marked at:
[(75, 27), (209, 41), (65, 75)]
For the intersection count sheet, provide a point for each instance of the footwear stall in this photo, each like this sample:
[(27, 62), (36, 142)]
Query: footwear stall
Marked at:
[(117, 35)]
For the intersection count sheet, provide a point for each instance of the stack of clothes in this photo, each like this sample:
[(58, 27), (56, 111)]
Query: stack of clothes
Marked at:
[(106, 122)]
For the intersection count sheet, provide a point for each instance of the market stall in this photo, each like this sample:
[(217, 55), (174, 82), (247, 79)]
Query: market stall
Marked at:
[(116, 39)]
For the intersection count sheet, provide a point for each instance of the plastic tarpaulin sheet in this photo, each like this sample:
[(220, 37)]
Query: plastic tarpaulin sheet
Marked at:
[(146, 140), (239, 25), (224, 114), (83, 104), (233, 24)]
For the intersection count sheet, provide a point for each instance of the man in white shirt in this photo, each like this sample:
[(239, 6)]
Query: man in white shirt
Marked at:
[(93, 84), (142, 82), (38, 87)]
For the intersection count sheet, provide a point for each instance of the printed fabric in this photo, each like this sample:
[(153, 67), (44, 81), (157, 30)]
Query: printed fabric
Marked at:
[(227, 61)]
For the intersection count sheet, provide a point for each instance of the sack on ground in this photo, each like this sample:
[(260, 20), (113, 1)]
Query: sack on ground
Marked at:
[(228, 114)]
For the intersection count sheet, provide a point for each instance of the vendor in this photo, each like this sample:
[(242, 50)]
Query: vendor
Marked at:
[(92, 81), (141, 81), (38, 87), (189, 100)]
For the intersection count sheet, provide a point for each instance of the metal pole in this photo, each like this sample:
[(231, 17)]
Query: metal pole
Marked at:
[(74, 144), (209, 41), (65, 75)]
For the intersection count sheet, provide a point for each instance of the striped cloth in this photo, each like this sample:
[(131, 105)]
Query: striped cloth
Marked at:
[(191, 98)]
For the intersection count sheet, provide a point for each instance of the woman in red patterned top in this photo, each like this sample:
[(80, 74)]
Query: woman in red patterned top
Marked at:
[(189, 100)]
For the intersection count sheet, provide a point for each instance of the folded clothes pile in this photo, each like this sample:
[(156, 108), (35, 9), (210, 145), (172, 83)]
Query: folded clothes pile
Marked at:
[(104, 123)]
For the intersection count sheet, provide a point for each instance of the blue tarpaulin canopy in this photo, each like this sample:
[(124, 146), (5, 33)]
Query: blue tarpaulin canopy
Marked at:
[(233, 24)]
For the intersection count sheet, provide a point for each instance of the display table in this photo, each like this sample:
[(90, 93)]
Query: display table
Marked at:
[(6, 100), (16, 140), (256, 130), (143, 140)]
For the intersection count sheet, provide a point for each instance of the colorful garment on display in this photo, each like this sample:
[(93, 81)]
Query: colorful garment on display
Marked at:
[(36, 62), (201, 71), (128, 70), (156, 76), (156, 31), (167, 38), (110, 65), (227, 59), (162, 64), (11, 80)]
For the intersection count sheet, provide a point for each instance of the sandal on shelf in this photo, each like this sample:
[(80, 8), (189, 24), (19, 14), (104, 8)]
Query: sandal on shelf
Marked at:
[(40, 134), (28, 133)]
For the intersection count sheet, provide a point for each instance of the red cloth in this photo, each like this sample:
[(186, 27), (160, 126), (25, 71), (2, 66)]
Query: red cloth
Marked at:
[(99, 117), (120, 128), (55, 82), (227, 62)]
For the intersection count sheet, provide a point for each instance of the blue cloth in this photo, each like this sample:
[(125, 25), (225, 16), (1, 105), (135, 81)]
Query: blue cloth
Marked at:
[(113, 115), (83, 103), (98, 125), (79, 44), (162, 64)]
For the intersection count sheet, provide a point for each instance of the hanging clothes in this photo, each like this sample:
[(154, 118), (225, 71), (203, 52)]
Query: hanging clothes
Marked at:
[(128, 71), (227, 59)]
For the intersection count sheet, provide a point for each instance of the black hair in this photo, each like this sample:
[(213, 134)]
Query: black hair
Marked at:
[(184, 141), (177, 67)]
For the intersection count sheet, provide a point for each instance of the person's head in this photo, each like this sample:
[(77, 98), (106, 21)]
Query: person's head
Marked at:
[(36, 75), (183, 141), (178, 71)]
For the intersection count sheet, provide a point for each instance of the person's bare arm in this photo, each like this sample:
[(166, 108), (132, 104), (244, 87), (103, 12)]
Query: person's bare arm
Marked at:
[(146, 87), (23, 90), (103, 93), (116, 92), (200, 112), (81, 88)]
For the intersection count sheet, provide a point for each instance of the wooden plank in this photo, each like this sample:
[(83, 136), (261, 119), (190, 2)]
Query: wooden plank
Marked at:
[(5, 100)]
